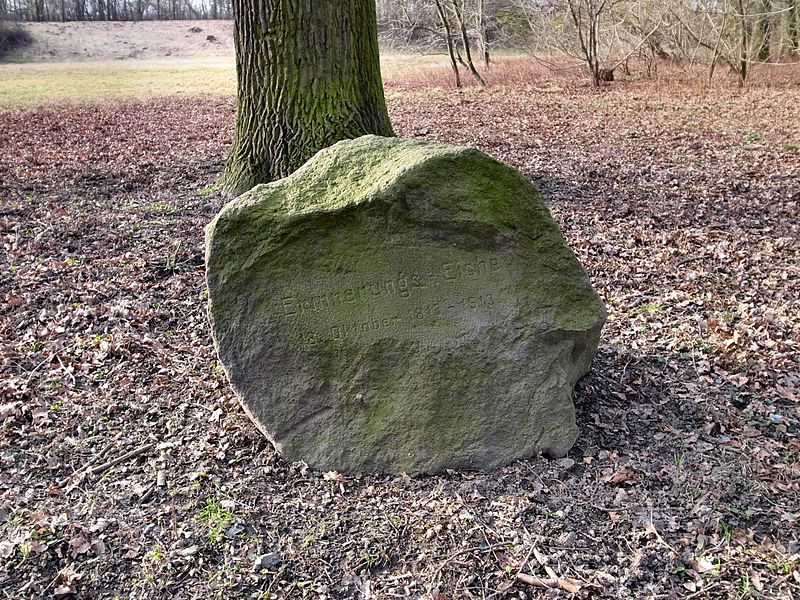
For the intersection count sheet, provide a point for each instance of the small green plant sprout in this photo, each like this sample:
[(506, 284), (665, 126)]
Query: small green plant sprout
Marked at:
[(370, 559), (783, 568), (198, 478), (156, 554), (753, 136), (727, 530), (217, 367), (396, 521), (647, 308), (679, 460), (206, 191), (791, 147), (35, 345), (16, 518), (156, 207), (746, 584), (216, 515)]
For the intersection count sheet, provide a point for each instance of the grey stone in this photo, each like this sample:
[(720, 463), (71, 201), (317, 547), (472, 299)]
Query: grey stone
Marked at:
[(401, 305), (267, 561)]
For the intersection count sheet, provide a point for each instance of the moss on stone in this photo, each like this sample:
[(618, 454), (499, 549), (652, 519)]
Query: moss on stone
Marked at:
[(401, 305)]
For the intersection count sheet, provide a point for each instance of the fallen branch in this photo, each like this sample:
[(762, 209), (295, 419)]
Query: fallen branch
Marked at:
[(120, 459), (552, 583), (102, 468), (81, 473)]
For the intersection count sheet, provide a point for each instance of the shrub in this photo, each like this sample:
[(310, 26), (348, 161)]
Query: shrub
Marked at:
[(12, 37)]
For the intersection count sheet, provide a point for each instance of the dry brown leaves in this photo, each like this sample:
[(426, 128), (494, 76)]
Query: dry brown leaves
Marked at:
[(129, 470)]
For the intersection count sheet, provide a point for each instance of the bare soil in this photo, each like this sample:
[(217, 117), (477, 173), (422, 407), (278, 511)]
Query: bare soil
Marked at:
[(128, 469)]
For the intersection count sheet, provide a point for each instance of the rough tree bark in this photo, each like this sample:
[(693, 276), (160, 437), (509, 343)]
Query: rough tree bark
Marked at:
[(308, 76)]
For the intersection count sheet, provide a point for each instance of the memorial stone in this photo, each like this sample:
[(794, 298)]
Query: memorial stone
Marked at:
[(400, 305)]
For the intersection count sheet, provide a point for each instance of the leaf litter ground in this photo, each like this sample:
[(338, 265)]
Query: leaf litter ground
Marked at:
[(130, 471)]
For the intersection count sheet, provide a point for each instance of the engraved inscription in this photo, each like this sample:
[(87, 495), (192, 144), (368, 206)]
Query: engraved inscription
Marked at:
[(447, 295)]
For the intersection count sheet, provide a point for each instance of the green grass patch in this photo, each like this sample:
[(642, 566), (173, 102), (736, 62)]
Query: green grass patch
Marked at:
[(216, 516), (88, 83)]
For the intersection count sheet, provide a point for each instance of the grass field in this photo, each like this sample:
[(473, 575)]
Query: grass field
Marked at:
[(88, 82), (28, 84)]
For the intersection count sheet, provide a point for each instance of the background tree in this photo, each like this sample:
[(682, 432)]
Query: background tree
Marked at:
[(597, 35), (738, 33), (116, 10), (308, 75)]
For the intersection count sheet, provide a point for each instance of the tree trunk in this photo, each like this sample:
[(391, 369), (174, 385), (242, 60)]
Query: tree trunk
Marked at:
[(308, 76), (465, 42), (484, 41), (764, 29), (745, 44), (793, 32), (448, 38)]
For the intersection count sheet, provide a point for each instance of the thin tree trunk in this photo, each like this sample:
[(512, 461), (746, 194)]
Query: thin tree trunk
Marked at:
[(448, 36), (717, 50), (744, 50), (764, 28), (465, 42), (793, 32), (483, 36), (308, 76)]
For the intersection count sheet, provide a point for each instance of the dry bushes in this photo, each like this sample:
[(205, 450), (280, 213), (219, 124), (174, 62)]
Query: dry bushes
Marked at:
[(12, 37)]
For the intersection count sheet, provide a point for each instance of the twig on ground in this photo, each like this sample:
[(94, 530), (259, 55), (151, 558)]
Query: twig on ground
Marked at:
[(96, 470), (455, 555), (32, 372), (120, 459), (84, 471), (702, 591), (64, 368), (553, 583)]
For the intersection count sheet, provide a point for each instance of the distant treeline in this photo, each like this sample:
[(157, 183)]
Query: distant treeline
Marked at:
[(599, 36), (114, 10)]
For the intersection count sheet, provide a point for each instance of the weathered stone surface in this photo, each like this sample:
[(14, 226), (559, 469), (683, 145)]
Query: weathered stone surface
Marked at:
[(401, 306)]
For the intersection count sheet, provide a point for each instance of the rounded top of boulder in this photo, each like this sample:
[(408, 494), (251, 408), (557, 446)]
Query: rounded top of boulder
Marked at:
[(354, 171), (424, 181)]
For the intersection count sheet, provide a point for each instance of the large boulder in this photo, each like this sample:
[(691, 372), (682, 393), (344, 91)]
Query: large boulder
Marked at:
[(398, 305)]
